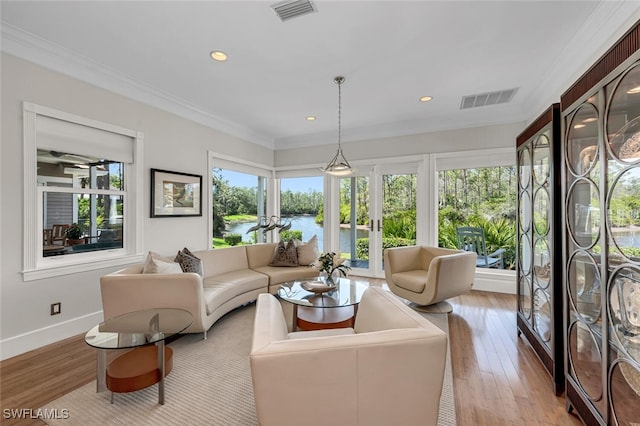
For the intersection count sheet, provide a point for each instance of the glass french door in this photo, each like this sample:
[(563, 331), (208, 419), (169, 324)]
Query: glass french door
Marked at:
[(377, 210), (354, 221)]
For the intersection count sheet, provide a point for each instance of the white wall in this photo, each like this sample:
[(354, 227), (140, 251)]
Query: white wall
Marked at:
[(499, 136), (170, 142)]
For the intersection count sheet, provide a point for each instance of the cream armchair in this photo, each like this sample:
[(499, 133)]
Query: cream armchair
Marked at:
[(429, 275), (386, 370)]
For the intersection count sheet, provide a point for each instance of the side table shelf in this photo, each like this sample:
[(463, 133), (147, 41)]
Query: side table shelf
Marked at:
[(137, 369)]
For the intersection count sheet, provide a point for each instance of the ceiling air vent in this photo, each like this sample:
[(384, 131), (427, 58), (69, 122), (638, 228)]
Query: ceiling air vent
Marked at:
[(290, 9), (486, 99)]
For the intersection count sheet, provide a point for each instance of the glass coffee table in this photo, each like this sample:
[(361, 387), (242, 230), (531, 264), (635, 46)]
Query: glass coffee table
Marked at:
[(331, 309), (149, 361)]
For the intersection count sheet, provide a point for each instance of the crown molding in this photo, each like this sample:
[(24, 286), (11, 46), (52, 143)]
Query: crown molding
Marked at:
[(32, 48)]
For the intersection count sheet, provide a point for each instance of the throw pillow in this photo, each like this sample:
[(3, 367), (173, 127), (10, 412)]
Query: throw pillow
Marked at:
[(308, 252), (285, 255), (189, 262), (156, 264)]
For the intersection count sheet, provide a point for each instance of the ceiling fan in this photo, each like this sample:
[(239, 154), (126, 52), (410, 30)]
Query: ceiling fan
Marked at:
[(56, 157)]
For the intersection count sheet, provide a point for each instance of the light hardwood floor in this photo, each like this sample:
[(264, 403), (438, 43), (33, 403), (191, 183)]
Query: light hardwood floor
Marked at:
[(497, 378)]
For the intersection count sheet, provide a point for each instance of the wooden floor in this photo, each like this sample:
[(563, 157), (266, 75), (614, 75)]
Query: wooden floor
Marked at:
[(497, 378)]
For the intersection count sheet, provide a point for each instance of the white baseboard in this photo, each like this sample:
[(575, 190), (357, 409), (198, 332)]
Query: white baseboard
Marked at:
[(497, 281), (35, 339)]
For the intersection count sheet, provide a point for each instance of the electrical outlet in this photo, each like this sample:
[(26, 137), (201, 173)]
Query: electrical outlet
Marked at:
[(56, 308)]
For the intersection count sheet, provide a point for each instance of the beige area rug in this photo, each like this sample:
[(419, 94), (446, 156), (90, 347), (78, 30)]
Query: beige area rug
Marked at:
[(210, 385)]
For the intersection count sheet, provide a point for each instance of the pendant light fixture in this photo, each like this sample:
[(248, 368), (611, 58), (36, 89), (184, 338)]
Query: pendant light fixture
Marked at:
[(339, 166)]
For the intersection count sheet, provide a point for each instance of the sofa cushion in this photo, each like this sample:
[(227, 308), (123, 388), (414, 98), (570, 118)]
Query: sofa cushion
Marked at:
[(221, 261), (156, 264), (220, 289), (285, 255), (189, 262), (411, 280), (279, 275), (260, 254), (308, 252)]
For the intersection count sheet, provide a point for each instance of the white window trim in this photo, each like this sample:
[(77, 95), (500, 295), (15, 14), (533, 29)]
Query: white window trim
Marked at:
[(34, 265), (492, 157)]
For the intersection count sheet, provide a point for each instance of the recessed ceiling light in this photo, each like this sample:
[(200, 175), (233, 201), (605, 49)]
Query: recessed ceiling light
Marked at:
[(579, 126), (218, 56), (310, 118), (589, 120), (425, 98), (634, 90)]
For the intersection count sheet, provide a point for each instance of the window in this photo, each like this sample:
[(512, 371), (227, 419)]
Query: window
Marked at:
[(239, 203), (302, 206), (80, 176), (479, 196), (241, 199), (83, 203)]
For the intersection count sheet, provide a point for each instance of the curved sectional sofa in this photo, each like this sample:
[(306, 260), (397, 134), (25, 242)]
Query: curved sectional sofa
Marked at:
[(231, 277)]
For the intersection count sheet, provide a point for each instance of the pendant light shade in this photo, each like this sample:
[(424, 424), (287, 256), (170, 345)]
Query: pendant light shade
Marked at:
[(339, 166)]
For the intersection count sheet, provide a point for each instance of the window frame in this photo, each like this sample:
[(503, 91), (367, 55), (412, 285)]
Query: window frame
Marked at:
[(35, 266)]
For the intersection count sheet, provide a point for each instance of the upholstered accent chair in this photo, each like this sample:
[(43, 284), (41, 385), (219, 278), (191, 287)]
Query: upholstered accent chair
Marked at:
[(428, 275), (387, 370)]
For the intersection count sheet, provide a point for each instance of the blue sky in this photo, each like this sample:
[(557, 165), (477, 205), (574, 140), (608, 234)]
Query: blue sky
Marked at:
[(294, 184)]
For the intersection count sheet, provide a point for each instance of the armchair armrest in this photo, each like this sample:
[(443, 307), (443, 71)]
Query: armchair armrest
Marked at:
[(451, 275), (500, 255), (499, 252), (127, 292)]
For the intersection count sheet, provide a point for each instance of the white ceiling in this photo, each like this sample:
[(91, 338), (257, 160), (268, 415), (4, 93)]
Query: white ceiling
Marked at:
[(390, 52)]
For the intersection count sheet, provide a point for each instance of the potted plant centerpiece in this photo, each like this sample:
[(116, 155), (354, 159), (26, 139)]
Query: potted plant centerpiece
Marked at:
[(74, 234), (333, 266)]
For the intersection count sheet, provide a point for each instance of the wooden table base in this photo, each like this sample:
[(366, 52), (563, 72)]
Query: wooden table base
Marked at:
[(323, 318), (137, 369)]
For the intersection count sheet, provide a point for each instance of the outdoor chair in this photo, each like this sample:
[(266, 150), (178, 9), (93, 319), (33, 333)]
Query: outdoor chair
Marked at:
[(58, 235), (472, 239)]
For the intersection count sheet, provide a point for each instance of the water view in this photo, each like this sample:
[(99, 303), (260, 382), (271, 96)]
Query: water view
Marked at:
[(309, 228)]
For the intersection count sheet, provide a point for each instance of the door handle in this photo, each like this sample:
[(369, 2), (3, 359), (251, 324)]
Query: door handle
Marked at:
[(371, 225), (379, 227)]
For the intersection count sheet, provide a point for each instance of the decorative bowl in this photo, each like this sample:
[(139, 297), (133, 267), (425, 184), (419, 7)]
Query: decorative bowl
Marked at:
[(317, 287)]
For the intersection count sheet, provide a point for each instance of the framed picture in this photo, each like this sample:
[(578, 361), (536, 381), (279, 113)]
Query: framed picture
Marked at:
[(175, 194)]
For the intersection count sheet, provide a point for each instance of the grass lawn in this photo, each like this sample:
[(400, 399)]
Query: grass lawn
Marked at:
[(236, 218), (221, 243)]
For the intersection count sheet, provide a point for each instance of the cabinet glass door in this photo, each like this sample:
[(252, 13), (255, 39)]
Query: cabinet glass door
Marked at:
[(622, 134), (586, 351), (541, 277), (525, 230), (603, 249)]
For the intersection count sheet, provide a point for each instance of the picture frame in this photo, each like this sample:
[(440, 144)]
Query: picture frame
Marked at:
[(175, 194)]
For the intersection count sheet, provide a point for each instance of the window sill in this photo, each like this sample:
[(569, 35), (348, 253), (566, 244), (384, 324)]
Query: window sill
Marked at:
[(77, 265)]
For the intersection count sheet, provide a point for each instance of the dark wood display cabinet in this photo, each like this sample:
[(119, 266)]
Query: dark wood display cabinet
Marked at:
[(539, 258), (601, 241)]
